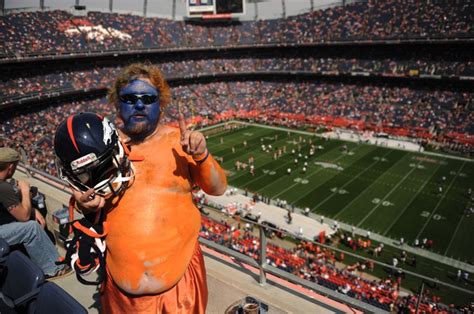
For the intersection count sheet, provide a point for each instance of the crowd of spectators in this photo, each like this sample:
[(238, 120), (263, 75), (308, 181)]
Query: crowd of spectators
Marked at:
[(312, 262), (385, 67), (45, 32), (430, 111), (59, 80), (430, 114), (433, 114), (101, 76), (33, 130)]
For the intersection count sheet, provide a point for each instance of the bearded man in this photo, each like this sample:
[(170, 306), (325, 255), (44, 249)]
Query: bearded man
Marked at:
[(154, 262)]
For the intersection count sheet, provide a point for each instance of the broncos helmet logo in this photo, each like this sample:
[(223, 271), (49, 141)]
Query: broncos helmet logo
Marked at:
[(108, 131)]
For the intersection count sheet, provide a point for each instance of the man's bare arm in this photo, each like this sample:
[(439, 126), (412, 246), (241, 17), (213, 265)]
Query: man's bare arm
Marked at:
[(22, 210)]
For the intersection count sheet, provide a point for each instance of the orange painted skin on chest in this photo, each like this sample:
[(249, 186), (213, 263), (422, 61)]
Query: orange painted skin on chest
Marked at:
[(154, 228)]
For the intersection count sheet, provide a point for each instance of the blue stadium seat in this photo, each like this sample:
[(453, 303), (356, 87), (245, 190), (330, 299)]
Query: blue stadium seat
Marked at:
[(53, 299), (19, 277), (4, 250)]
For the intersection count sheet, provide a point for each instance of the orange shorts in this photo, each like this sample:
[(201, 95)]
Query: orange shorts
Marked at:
[(189, 295)]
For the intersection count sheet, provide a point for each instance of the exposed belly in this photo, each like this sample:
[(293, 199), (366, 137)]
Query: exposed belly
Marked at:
[(151, 240)]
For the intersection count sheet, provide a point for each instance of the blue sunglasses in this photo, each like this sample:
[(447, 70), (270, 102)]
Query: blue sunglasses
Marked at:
[(132, 99)]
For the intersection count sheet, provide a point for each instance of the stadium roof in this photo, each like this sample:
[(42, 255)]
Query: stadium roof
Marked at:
[(255, 9)]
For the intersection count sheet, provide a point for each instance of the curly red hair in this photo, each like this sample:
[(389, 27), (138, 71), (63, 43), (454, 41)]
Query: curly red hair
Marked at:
[(137, 71)]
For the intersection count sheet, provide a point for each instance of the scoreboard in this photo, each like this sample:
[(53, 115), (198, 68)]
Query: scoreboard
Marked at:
[(215, 9)]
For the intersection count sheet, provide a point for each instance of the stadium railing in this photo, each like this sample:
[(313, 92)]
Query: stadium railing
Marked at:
[(264, 268)]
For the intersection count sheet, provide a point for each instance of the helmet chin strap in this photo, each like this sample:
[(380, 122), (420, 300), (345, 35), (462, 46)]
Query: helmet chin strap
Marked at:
[(106, 188), (121, 179)]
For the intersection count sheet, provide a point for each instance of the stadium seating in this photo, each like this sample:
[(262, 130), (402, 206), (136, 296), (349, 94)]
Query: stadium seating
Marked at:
[(34, 84), (23, 288), (425, 114), (4, 250), (52, 299), (57, 31), (19, 277)]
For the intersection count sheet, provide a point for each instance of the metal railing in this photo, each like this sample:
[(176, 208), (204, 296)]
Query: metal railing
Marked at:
[(263, 267)]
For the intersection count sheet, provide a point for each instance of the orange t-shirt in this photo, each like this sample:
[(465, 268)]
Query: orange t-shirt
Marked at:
[(154, 229)]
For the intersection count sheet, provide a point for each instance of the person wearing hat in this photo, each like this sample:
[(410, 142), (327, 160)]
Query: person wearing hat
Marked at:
[(19, 222)]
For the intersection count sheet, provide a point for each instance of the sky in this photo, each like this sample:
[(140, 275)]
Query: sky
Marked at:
[(262, 9)]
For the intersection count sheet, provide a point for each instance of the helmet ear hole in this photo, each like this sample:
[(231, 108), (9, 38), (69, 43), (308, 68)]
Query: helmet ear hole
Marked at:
[(84, 177)]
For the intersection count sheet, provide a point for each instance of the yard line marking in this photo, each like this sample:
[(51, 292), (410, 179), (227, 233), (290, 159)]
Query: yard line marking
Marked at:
[(290, 162), (305, 177), (454, 235), (439, 202), (368, 187), (350, 181), (258, 157), (386, 196), (417, 192), (309, 175)]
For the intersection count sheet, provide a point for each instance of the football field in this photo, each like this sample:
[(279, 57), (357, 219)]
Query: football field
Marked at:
[(391, 192)]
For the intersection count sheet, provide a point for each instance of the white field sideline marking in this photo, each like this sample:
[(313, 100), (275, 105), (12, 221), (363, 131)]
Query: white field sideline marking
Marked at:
[(454, 235), (417, 192), (309, 176), (232, 141), (363, 192), (439, 202), (349, 182), (386, 196), (278, 128), (319, 135), (213, 126)]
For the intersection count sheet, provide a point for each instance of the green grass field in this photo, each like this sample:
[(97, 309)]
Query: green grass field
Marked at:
[(391, 192)]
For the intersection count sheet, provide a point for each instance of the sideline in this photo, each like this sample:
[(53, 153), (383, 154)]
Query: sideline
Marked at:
[(348, 140)]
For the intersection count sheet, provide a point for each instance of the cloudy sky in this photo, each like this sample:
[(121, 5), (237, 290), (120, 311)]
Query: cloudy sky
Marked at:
[(164, 8)]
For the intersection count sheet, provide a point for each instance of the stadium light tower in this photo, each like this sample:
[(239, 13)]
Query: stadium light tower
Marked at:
[(145, 4), (111, 5), (42, 5), (256, 10), (173, 14)]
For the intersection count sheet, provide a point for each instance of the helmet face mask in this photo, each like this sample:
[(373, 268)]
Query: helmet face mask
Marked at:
[(90, 155)]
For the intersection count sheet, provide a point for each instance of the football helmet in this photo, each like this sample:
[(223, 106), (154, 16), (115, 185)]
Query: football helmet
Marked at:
[(90, 155)]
